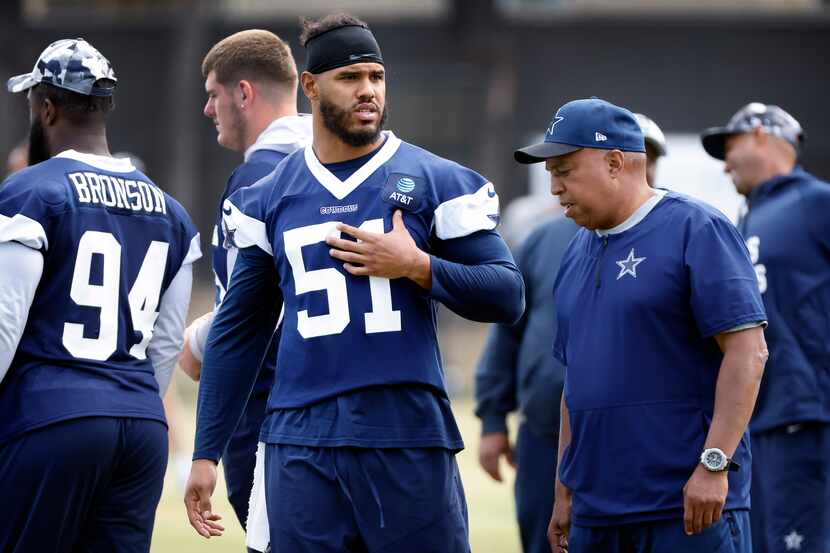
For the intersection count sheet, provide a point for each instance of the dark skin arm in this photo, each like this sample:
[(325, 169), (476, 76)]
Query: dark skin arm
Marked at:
[(744, 356)]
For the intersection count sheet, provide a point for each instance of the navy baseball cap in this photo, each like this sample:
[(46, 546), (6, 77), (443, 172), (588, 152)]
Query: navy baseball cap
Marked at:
[(587, 123), (772, 119), (73, 64)]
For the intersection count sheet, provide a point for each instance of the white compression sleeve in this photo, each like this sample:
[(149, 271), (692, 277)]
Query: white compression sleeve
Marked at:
[(168, 333), (22, 269)]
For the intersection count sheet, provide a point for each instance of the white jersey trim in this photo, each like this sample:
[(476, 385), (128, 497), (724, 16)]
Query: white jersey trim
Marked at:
[(244, 231), (194, 252), (464, 215), (340, 189), (20, 228), (105, 163)]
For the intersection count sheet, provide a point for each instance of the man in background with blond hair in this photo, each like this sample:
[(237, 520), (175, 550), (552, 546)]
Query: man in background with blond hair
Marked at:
[(251, 84)]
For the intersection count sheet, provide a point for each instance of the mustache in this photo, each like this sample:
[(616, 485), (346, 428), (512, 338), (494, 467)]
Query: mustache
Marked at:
[(371, 103)]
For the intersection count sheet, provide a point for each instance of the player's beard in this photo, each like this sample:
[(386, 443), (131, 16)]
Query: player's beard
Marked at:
[(38, 143), (235, 129), (336, 121)]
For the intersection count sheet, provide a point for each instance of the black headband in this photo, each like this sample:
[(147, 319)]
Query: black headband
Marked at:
[(340, 47)]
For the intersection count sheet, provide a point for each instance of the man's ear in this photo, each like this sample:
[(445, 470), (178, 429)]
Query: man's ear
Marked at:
[(309, 84), (247, 93), (759, 135), (48, 113), (616, 162)]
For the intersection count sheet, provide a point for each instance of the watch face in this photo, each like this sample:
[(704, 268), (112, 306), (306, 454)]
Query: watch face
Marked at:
[(714, 459)]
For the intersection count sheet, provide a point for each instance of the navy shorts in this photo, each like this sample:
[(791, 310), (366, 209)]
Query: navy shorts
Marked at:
[(791, 489), (240, 457), (731, 534), (355, 500), (90, 484)]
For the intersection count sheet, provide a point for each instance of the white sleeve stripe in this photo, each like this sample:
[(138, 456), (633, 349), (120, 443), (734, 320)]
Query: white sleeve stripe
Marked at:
[(464, 215), (195, 250), (246, 231), (20, 228)]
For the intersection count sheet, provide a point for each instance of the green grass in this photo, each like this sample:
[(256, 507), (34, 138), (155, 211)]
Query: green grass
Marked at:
[(491, 507)]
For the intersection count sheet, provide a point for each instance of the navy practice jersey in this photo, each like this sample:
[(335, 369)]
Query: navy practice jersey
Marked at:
[(787, 231), (342, 332), (637, 311), (259, 165), (112, 242)]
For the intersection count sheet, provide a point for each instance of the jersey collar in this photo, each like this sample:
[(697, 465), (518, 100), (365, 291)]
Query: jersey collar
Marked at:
[(637, 216), (340, 189), (105, 163)]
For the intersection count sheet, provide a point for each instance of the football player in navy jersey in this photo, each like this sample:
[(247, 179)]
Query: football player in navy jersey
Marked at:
[(660, 328), (360, 234), (787, 232), (251, 83), (95, 287)]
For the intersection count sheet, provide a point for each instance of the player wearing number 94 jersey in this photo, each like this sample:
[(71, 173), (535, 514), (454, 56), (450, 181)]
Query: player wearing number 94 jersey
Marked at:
[(359, 439), (95, 284)]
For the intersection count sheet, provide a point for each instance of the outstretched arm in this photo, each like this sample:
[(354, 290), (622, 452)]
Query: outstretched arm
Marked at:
[(237, 341)]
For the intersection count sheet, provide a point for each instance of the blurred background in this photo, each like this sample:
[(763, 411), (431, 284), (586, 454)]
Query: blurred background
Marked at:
[(467, 79)]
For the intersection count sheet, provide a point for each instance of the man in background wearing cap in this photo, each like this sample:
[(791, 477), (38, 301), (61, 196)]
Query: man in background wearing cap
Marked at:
[(95, 287), (517, 369), (251, 83), (360, 440), (660, 329), (787, 231)]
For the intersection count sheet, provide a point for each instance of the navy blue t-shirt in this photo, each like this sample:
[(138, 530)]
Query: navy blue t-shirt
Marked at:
[(637, 312), (112, 242), (787, 232)]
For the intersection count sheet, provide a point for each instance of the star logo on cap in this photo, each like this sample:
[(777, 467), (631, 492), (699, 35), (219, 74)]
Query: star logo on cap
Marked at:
[(628, 266), (793, 541)]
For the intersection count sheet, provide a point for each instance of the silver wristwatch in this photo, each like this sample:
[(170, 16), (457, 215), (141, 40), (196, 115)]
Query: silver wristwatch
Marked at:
[(715, 460)]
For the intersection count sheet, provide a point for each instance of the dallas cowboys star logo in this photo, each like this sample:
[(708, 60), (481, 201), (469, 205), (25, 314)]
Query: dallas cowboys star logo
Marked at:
[(628, 266), (793, 541), (553, 123)]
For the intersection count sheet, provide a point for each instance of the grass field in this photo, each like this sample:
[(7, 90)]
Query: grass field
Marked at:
[(492, 515)]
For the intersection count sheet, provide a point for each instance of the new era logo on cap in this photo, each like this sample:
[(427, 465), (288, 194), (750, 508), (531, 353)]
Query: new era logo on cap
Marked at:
[(599, 137)]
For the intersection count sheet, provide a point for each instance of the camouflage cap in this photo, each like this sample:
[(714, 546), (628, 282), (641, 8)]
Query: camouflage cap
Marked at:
[(70, 63), (772, 119)]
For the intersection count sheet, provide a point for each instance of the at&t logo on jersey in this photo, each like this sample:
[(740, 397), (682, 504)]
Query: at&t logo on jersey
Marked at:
[(405, 184), (403, 191)]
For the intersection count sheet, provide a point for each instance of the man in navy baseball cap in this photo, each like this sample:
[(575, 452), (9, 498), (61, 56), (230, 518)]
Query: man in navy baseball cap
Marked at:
[(656, 308), (588, 123)]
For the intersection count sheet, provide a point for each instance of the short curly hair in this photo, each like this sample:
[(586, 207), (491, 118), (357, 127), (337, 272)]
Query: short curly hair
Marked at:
[(316, 27), (252, 55)]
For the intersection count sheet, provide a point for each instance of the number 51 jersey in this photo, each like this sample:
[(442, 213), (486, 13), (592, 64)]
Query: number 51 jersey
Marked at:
[(112, 242), (343, 332)]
